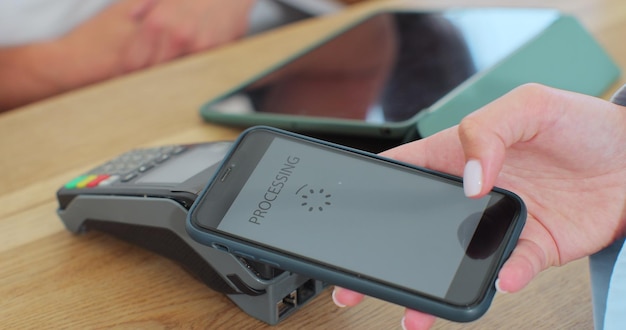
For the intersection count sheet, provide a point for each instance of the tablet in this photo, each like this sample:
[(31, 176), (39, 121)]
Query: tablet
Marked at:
[(377, 78)]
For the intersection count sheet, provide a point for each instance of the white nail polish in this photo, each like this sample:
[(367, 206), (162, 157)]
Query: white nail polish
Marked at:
[(402, 323), (337, 302), (498, 287), (472, 178)]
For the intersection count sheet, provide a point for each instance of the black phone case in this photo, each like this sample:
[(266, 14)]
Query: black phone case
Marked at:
[(283, 261)]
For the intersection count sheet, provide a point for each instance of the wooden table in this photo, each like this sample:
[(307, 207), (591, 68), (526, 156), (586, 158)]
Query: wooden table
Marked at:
[(50, 278)]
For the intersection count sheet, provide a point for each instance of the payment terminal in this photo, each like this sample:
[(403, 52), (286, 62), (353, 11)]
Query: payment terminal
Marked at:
[(143, 197)]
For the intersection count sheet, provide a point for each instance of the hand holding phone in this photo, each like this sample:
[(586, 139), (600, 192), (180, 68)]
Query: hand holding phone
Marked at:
[(416, 240), (527, 144)]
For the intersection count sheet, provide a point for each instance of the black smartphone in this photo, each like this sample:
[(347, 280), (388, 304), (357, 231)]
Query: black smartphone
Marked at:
[(387, 229)]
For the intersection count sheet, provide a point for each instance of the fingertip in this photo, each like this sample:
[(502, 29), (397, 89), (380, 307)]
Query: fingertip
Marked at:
[(518, 271), (511, 282), (499, 287), (344, 297), (336, 301), (414, 320)]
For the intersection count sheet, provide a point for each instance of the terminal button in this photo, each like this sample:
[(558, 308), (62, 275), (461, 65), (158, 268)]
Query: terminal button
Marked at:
[(95, 182), (72, 184)]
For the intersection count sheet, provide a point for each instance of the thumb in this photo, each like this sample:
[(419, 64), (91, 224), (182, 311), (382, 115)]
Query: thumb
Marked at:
[(484, 151), (487, 133)]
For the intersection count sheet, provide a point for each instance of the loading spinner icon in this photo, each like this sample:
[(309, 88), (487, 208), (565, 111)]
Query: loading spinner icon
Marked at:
[(313, 199)]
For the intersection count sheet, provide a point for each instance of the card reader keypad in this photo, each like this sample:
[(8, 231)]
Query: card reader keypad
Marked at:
[(126, 167)]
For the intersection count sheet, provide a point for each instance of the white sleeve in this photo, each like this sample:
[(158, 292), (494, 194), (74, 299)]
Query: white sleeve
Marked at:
[(614, 318)]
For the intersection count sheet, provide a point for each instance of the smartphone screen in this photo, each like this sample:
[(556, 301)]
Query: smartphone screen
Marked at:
[(382, 221)]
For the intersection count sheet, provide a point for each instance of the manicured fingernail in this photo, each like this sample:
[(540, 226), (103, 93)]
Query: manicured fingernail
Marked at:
[(472, 178), (402, 322), (335, 300), (498, 287)]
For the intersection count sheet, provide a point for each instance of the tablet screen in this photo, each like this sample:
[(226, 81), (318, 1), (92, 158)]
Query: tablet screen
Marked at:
[(389, 67)]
